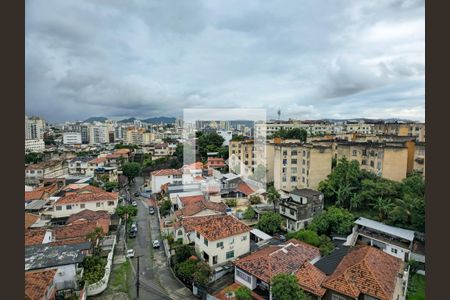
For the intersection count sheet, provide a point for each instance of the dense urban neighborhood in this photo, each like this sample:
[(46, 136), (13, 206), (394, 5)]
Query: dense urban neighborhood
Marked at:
[(279, 209)]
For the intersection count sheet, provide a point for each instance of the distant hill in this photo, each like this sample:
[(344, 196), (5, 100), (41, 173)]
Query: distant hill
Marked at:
[(159, 120), (129, 120), (96, 119)]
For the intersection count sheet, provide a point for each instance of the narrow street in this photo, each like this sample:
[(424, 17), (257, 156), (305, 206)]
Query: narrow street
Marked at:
[(156, 279)]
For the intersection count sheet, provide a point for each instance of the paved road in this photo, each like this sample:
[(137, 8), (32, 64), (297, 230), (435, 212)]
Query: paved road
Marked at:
[(156, 279)]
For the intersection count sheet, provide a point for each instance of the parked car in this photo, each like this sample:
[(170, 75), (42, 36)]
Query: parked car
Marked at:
[(132, 234), (137, 194), (155, 244), (151, 210), (130, 253), (134, 203)]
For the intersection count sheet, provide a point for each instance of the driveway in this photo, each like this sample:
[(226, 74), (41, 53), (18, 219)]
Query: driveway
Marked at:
[(156, 279)]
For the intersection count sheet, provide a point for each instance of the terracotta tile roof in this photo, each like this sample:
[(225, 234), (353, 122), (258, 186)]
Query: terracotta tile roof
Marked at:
[(87, 194), (97, 160), (37, 283), (34, 195), (188, 200), (195, 208), (218, 228), (311, 278), (245, 189), (167, 172), (74, 230), (34, 236), (122, 151), (273, 260), (89, 215), (366, 270), (194, 166), (30, 219), (189, 223)]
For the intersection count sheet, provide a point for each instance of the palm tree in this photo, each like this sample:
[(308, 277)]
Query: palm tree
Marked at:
[(272, 197), (384, 206), (405, 207), (95, 237)]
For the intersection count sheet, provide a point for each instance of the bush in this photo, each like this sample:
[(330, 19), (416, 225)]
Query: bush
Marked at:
[(311, 237), (255, 199), (231, 202), (94, 268), (165, 208), (334, 220), (243, 293), (270, 222), (249, 213)]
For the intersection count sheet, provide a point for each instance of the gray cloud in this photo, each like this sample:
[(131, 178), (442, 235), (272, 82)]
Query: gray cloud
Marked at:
[(147, 58)]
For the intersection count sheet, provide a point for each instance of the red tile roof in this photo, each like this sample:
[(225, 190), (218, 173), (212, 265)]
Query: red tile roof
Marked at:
[(97, 160), (195, 208), (167, 172), (273, 260), (30, 219), (122, 151), (245, 189), (218, 228), (366, 270), (34, 195), (37, 283), (190, 223), (34, 236), (188, 200), (87, 194), (311, 278)]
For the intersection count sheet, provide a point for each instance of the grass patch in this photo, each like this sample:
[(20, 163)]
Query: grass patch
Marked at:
[(120, 278), (416, 287)]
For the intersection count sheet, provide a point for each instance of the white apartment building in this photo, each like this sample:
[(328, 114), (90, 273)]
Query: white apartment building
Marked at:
[(47, 169), (34, 128), (221, 239), (164, 176), (79, 165), (72, 138), (98, 134), (134, 136), (34, 145)]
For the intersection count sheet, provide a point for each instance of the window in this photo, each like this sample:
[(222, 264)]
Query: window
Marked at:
[(304, 162), (337, 297), (283, 179), (97, 204), (82, 205), (293, 161), (232, 241), (303, 170), (220, 244), (68, 207), (394, 250), (59, 207), (354, 153), (214, 259), (284, 161), (243, 276), (285, 152), (230, 254), (198, 235), (244, 238), (363, 162), (293, 178), (294, 170), (205, 241), (379, 165), (372, 164), (180, 232), (303, 179), (294, 152)]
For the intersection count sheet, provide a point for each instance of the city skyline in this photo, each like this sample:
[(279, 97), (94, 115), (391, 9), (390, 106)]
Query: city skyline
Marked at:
[(312, 60)]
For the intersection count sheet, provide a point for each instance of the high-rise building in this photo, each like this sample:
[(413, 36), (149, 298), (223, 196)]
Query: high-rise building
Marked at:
[(34, 128), (98, 134), (34, 145), (72, 138)]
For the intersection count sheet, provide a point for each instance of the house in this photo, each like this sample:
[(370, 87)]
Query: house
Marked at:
[(395, 241), (255, 271), (79, 165), (66, 259), (89, 197), (186, 200), (106, 174), (94, 164), (215, 162), (221, 239), (202, 208), (40, 285), (101, 217), (299, 207), (367, 273), (47, 169), (184, 229), (164, 176)]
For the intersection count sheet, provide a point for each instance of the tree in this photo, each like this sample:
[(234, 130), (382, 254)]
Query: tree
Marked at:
[(270, 222), (202, 274), (129, 210), (407, 209), (249, 213), (243, 293), (254, 199), (131, 170), (208, 139), (165, 208), (334, 220), (109, 186), (185, 270), (286, 287), (95, 237), (231, 202), (311, 237), (33, 158), (273, 196), (414, 184), (384, 207), (294, 133), (183, 252), (237, 138)]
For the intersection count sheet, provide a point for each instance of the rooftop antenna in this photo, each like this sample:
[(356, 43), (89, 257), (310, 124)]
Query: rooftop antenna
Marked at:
[(279, 114)]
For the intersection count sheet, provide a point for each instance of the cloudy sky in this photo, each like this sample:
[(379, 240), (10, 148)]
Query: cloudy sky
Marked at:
[(312, 59)]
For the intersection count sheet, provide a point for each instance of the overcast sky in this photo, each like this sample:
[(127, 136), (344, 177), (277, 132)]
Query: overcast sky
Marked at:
[(312, 59)]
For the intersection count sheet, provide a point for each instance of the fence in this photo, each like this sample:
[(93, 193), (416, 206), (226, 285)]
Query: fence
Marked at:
[(99, 286)]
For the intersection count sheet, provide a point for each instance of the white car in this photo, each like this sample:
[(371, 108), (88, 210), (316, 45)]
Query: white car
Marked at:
[(155, 244), (134, 203), (130, 253)]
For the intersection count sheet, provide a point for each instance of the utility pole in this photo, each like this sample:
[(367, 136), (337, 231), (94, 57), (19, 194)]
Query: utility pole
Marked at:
[(137, 277), (126, 227)]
